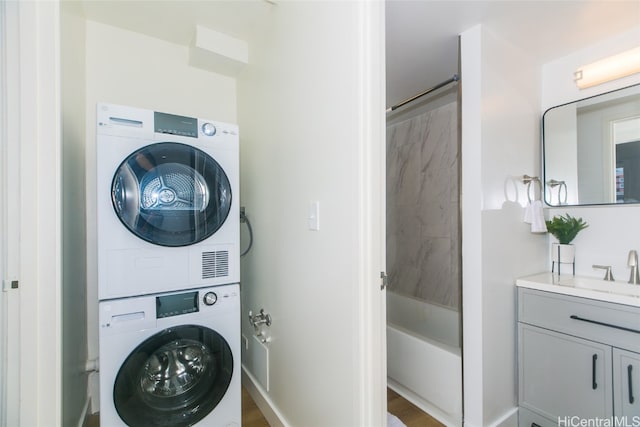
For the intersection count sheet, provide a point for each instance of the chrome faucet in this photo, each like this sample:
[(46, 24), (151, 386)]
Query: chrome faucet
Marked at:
[(608, 275), (632, 263)]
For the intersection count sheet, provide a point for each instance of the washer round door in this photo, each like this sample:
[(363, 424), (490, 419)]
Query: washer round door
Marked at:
[(171, 194), (174, 378)]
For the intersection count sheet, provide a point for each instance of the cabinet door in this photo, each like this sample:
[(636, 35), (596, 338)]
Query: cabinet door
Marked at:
[(626, 383), (564, 376)]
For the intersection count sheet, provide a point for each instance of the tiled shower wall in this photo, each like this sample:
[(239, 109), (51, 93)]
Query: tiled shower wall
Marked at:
[(423, 250)]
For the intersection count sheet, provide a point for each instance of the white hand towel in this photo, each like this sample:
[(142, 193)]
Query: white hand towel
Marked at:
[(534, 215)]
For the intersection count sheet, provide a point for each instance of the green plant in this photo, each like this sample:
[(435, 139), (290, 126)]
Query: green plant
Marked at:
[(565, 227)]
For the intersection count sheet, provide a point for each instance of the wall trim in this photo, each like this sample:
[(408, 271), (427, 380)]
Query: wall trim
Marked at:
[(3, 194), (508, 419), (84, 413), (40, 323), (471, 199), (370, 356), (269, 410)]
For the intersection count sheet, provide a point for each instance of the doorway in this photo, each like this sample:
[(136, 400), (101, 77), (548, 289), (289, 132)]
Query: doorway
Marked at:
[(424, 361)]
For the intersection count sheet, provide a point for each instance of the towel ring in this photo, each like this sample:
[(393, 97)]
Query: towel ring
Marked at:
[(528, 180), (560, 184)]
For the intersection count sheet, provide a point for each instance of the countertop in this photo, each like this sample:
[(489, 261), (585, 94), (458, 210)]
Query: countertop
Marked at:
[(579, 287)]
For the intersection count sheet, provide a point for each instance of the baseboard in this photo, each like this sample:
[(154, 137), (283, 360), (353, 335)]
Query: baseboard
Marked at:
[(508, 419), (264, 403), (85, 413), (425, 406), (93, 389)]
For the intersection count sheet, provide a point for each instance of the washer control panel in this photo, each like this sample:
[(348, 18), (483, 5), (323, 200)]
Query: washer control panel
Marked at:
[(176, 304), (168, 309)]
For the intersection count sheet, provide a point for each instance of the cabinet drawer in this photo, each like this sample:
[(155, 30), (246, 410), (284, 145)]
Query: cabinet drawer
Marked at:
[(614, 324)]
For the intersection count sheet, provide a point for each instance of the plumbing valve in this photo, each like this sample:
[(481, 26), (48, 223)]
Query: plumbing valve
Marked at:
[(261, 318)]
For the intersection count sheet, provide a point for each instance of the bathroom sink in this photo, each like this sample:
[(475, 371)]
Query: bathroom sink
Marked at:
[(618, 288), (587, 287)]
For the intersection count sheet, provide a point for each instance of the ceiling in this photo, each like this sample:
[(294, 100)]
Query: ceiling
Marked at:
[(422, 45)]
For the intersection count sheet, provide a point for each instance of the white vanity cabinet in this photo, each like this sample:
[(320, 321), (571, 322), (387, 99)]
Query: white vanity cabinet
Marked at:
[(562, 374), (626, 370), (578, 358)]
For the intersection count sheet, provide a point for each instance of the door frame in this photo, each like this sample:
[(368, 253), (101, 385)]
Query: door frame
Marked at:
[(10, 343), (31, 214), (3, 228), (372, 202)]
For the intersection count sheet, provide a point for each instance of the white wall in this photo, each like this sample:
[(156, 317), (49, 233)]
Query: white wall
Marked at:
[(128, 68), (500, 126), (307, 135), (613, 230), (133, 69), (74, 245), (558, 86)]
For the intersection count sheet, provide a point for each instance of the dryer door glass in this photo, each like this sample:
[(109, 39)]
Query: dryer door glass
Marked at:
[(171, 194), (174, 378)]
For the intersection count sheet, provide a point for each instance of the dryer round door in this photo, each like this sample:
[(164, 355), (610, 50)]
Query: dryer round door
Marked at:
[(171, 194), (174, 378)]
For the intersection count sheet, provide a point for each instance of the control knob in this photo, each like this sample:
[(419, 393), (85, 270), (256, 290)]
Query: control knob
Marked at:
[(210, 298), (208, 129)]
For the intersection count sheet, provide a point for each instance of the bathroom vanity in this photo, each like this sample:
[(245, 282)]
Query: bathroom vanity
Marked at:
[(578, 351)]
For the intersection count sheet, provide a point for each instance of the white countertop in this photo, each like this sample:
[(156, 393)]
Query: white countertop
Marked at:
[(584, 287)]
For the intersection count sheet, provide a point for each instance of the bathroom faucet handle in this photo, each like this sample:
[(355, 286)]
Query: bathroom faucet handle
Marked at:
[(608, 274), (632, 262)]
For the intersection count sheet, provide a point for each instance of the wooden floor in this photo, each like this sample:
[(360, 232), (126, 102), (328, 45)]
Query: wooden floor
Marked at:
[(408, 413), (251, 415)]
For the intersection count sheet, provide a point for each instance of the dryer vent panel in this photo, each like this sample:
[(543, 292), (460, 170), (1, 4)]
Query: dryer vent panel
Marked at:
[(215, 264)]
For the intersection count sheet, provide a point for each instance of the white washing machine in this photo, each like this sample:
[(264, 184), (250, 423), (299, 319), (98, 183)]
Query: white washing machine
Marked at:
[(171, 359), (167, 202)]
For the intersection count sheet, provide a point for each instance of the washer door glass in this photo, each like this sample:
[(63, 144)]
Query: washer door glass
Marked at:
[(171, 194), (174, 378)]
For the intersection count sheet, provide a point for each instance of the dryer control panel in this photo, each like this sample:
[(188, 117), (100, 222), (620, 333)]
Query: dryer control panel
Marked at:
[(175, 125)]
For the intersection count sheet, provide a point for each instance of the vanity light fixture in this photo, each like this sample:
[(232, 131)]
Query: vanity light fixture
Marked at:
[(607, 69)]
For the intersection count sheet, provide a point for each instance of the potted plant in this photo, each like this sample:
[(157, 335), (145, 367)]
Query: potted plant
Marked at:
[(564, 228)]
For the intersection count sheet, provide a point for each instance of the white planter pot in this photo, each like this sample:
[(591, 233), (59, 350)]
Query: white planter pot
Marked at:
[(566, 254)]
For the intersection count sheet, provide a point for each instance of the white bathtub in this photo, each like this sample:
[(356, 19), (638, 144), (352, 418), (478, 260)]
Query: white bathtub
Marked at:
[(423, 356)]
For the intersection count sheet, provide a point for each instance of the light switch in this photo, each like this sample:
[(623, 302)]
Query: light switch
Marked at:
[(314, 216)]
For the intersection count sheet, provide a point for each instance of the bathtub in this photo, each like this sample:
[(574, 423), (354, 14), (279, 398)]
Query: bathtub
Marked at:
[(423, 356)]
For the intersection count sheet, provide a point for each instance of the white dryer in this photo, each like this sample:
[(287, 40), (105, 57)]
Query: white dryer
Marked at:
[(171, 359), (167, 202)]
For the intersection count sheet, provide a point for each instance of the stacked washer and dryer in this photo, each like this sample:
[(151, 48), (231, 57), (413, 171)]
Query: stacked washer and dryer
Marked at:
[(168, 269)]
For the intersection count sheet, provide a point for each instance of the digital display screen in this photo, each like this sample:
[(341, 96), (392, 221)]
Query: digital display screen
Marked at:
[(175, 125), (176, 304)]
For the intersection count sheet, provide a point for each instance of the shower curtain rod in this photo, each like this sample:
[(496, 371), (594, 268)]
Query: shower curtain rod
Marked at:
[(454, 78)]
